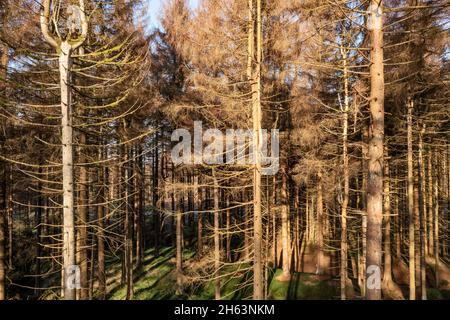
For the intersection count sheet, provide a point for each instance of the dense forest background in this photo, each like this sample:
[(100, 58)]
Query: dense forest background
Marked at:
[(93, 207)]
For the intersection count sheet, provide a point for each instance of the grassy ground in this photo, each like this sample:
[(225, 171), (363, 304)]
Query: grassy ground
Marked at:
[(302, 286), (157, 280)]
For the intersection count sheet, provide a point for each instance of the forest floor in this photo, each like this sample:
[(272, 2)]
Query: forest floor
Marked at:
[(157, 280)]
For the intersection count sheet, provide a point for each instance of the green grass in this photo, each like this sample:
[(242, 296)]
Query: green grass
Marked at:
[(157, 280), (154, 281), (302, 286), (234, 278)]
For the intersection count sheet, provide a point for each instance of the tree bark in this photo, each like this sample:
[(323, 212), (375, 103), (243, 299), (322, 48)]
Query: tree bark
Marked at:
[(3, 187), (422, 212), (436, 220), (139, 206), (411, 226), (344, 248), (375, 182), (197, 204), (430, 209), (179, 240), (4, 59), (286, 274), (258, 286), (69, 261), (128, 238), (216, 240), (83, 220), (102, 180), (227, 229), (320, 227), (391, 289)]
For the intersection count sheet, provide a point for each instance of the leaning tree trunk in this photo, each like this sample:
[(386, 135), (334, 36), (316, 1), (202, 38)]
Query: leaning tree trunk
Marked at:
[(375, 181)]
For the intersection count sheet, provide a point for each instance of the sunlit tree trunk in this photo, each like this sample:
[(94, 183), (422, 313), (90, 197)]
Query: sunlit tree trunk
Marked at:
[(375, 181), (285, 227), (320, 226), (436, 216), (67, 171), (64, 48), (255, 54)]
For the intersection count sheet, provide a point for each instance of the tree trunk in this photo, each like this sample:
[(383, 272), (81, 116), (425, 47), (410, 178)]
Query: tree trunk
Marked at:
[(128, 239), (411, 228), (83, 220), (216, 240), (344, 249), (102, 180), (3, 175), (3, 187), (286, 275), (198, 204), (390, 289), (258, 286), (155, 199), (430, 209), (320, 227), (69, 262), (228, 235), (422, 212), (10, 208), (364, 165), (139, 206), (274, 222), (416, 229), (436, 220), (38, 220), (179, 240), (375, 182)]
